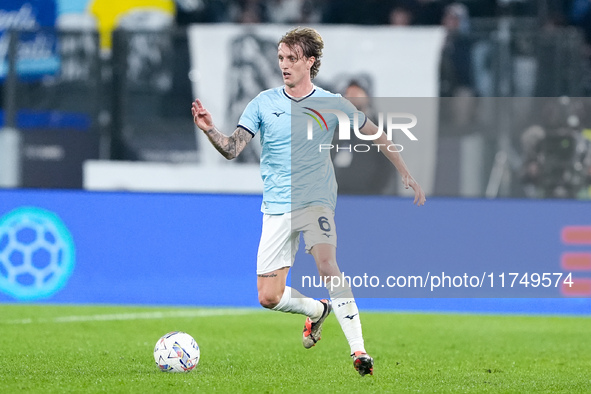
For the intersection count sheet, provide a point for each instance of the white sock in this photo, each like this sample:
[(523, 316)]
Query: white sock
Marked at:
[(293, 301), (346, 312)]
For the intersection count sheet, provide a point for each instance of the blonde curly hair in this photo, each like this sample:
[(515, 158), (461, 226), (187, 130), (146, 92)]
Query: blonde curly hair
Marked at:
[(309, 40)]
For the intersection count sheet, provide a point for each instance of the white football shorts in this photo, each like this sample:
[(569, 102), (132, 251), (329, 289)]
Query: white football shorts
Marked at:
[(280, 237)]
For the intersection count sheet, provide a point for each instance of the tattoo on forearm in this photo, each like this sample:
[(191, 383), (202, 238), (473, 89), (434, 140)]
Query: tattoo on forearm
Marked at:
[(229, 147), (272, 275)]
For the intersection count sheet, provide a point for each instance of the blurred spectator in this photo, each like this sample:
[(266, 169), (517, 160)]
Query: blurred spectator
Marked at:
[(456, 72), (249, 11), (428, 12), (202, 11), (358, 95), (293, 11), (578, 10), (401, 16), (554, 12), (368, 12), (361, 172), (555, 56), (580, 15), (482, 8), (456, 64)]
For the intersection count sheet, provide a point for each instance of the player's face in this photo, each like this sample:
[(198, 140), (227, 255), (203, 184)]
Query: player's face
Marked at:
[(295, 68)]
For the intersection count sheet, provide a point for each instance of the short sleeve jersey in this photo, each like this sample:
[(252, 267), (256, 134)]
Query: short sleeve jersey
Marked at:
[(295, 172)]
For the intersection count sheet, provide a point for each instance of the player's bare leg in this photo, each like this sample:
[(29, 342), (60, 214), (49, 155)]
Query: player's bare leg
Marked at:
[(271, 287), (344, 306), (274, 294)]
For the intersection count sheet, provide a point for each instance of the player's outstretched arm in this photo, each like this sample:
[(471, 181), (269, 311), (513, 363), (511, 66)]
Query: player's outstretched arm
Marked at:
[(396, 158), (230, 147)]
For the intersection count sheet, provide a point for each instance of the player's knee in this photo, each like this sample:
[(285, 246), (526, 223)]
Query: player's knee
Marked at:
[(269, 301), (327, 261), (327, 266)]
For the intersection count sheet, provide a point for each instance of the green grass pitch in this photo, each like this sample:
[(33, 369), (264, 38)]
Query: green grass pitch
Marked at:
[(60, 349)]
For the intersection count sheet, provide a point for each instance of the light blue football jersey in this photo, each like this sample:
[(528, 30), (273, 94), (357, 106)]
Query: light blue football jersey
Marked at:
[(296, 173)]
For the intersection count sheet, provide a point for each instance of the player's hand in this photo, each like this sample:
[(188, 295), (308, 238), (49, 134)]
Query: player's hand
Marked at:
[(201, 116), (409, 181)]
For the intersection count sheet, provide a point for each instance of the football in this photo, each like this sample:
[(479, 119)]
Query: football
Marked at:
[(176, 351)]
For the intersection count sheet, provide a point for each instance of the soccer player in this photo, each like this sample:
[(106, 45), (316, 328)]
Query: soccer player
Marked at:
[(299, 53)]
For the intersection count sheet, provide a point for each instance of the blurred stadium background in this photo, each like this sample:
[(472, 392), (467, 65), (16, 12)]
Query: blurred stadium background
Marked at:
[(95, 96)]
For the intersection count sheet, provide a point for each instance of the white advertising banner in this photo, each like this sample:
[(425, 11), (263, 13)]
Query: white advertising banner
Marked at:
[(231, 64)]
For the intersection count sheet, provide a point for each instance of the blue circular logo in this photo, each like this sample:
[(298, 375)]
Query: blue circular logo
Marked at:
[(37, 253)]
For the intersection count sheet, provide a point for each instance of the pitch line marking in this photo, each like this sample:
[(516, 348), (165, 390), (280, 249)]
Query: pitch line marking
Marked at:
[(137, 316)]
